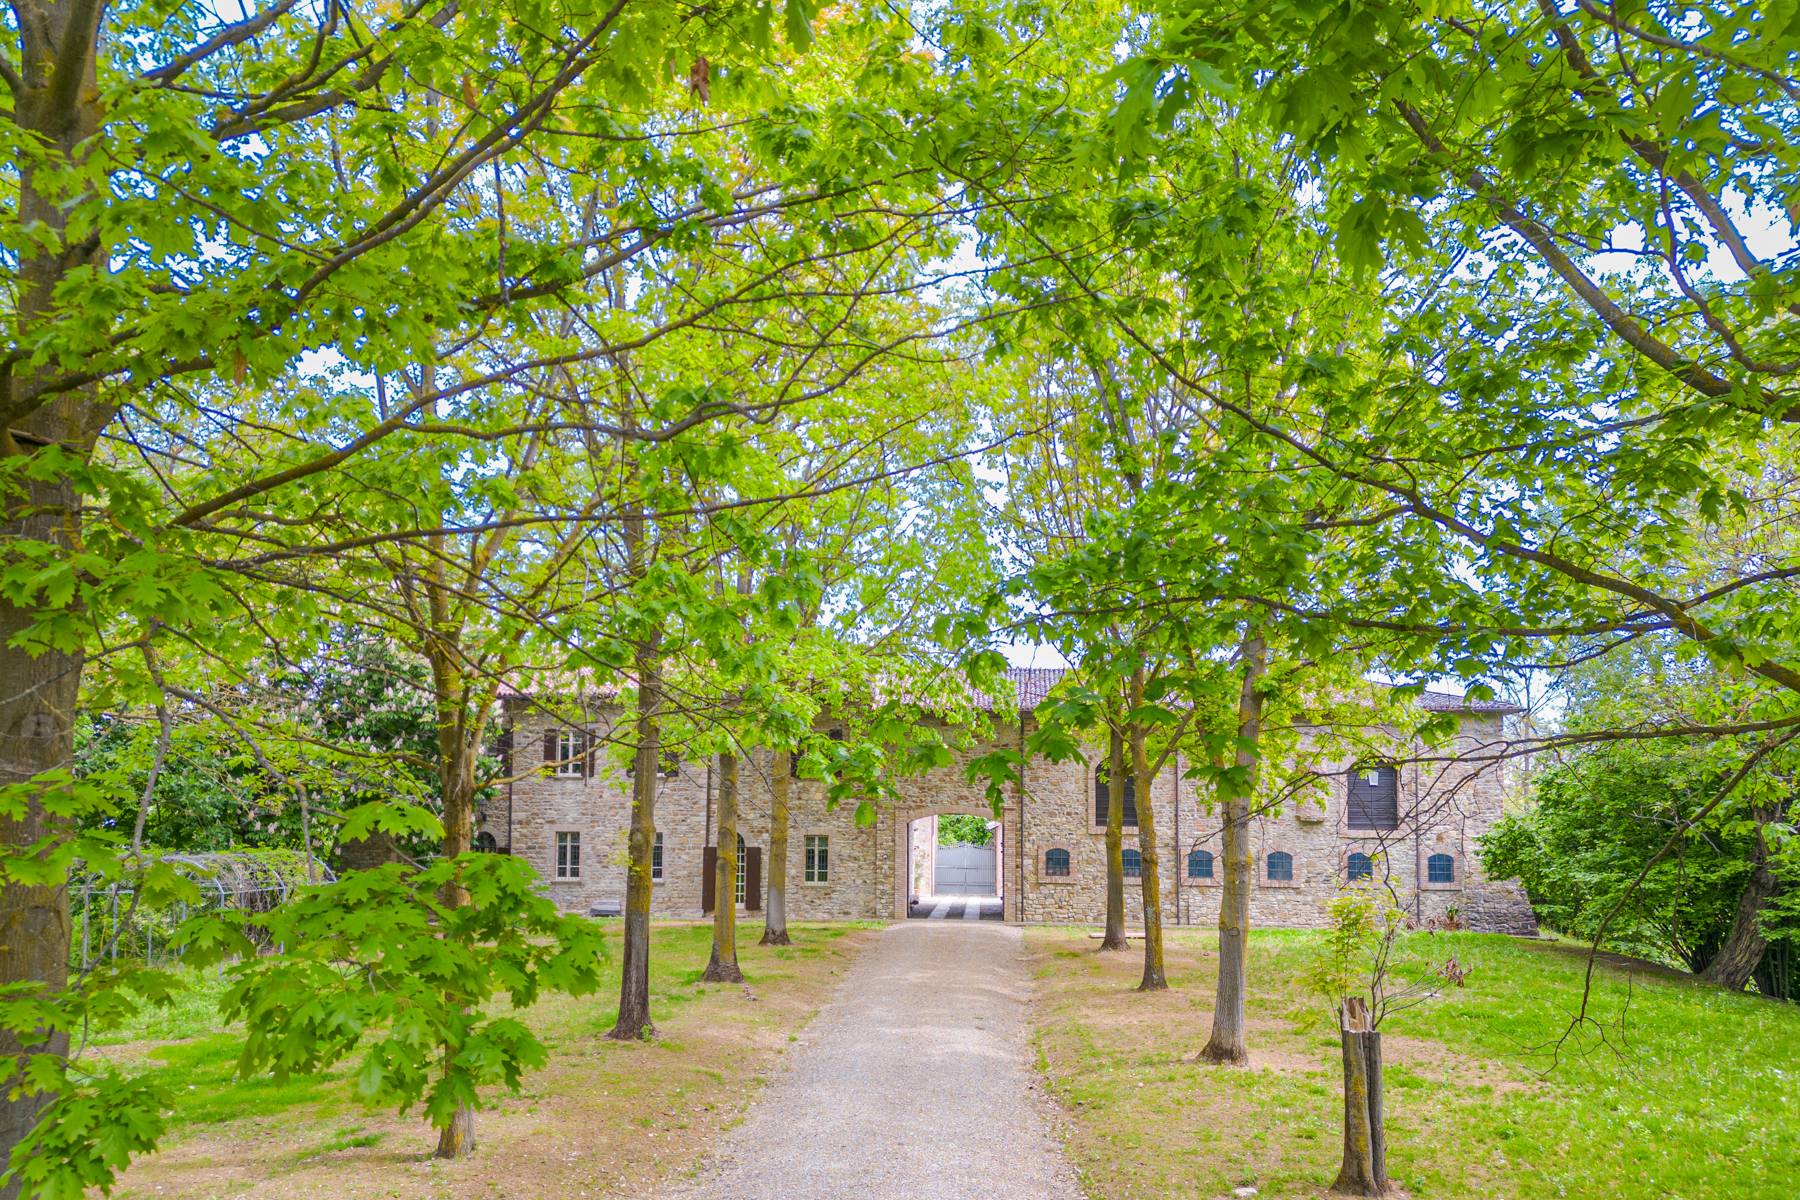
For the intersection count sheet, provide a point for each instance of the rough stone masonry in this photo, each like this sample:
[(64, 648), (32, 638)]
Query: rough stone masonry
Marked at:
[(1412, 825)]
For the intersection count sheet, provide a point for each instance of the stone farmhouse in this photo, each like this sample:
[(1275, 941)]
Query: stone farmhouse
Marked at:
[(1412, 825)]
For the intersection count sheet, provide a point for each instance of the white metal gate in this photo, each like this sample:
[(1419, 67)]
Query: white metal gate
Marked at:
[(965, 871)]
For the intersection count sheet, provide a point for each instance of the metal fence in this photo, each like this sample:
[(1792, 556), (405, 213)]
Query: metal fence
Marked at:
[(110, 926)]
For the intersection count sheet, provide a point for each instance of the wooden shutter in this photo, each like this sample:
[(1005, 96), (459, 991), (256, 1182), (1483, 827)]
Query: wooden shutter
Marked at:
[(550, 745), (1103, 800), (1374, 805), (709, 877), (753, 878)]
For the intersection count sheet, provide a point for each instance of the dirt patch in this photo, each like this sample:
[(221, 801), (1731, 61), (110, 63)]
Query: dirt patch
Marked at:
[(601, 1119)]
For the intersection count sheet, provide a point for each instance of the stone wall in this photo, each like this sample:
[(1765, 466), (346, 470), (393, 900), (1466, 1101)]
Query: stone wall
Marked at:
[(1441, 811)]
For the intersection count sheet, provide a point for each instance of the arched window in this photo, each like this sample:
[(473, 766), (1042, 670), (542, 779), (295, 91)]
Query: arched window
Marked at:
[(484, 841), (1440, 868), (1200, 864), (1280, 867), (1056, 862), (1359, 866), (1134, 864), (1103, 798), (742, 871)]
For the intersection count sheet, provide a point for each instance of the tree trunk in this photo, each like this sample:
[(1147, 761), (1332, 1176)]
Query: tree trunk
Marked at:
[(456, 1139), (1364, 1168), (1154, 979), (37, 713), (1226, 1045), (723, 966), (634, 981), (775, 931), (1115, 845), (58, 110), (1744, 946)]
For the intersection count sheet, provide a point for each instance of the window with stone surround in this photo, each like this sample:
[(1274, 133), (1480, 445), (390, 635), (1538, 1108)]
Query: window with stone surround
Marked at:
[(566, 753), (1440, 868), (1374, 798), (1278, 867), (1056, 863), (568, 855), (1359, 866), (742, 871), (818, 859), (1103, 798), (656, 859), (1200, 864), (1134, 864)]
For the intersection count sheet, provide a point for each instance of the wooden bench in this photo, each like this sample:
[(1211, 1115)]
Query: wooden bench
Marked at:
[(607, 908)]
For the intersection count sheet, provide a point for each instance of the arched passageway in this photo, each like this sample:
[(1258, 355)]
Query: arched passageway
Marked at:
[(955, 868)]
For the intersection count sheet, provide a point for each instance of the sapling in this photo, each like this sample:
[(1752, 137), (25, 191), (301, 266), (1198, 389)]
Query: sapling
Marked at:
[(1356, 972)]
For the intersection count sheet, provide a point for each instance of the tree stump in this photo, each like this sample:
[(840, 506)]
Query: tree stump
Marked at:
[(1364, 1169)]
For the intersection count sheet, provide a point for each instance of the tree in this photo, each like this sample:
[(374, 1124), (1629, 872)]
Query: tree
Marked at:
[(154, 269), (1657, 846)]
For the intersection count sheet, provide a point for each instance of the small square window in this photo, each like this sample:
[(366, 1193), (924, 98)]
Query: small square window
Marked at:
[(1280, 867), (1440, 868), (1134, 864), (568, 856), (818, 858)]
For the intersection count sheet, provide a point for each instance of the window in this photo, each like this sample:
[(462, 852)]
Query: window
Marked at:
[(1374, 795), (568, 856), (565, 753), (1359, 866), (1056, 863), (1103, 798), (1134, 864), (485, 842), (818, 859), (1440, 868), (656, 859), (1200, 864), (1280, 867), (739, 891)]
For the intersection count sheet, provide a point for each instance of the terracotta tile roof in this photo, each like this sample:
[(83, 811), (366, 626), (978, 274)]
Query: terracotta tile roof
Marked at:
[(1033, 684)]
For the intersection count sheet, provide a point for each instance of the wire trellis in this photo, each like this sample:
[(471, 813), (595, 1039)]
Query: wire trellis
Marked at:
[(109, 926)]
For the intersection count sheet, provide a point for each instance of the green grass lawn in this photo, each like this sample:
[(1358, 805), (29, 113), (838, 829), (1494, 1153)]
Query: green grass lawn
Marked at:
[(1692, 1094), (634, 1112)]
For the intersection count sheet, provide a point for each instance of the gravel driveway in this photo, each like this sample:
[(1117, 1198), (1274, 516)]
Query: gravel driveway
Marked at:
[(912, 1083)]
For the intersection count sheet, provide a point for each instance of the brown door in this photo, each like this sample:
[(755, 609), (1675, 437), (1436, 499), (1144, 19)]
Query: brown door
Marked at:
[(709, 871), (753, 878)]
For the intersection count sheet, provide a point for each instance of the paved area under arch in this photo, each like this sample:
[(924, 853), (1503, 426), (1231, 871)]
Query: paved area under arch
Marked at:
[(957, 908), (914, 1083)]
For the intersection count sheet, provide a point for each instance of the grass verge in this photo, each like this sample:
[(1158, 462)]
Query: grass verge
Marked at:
[(1693, 1098), (602, 1118)]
